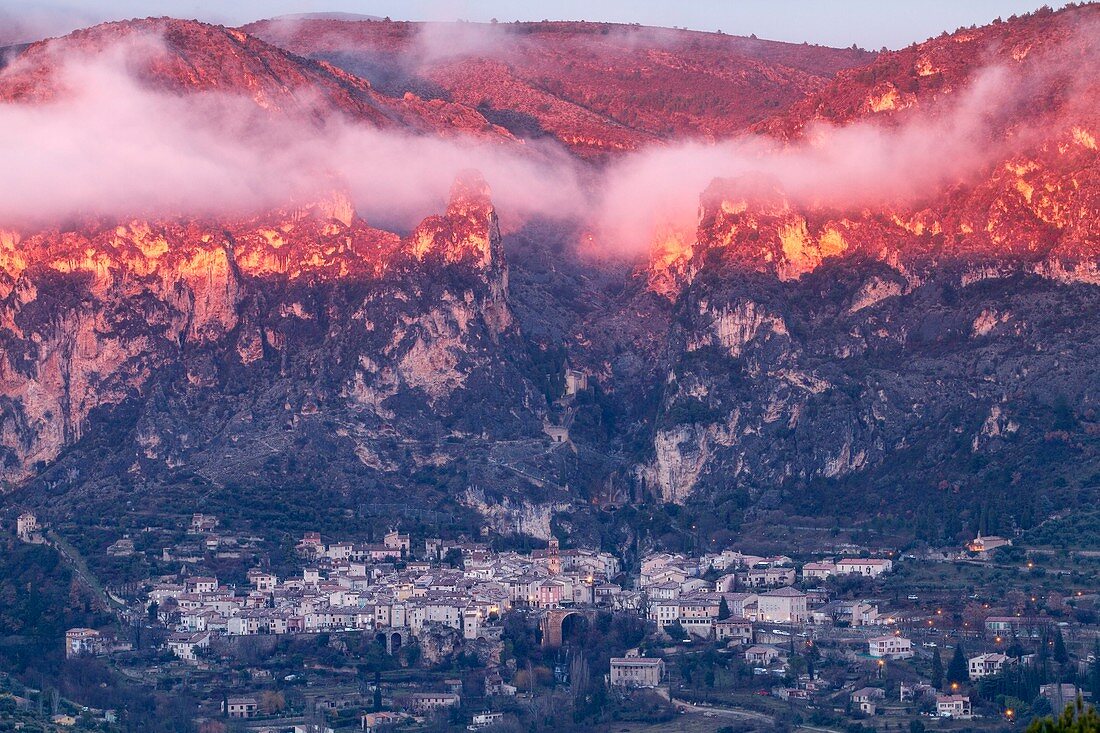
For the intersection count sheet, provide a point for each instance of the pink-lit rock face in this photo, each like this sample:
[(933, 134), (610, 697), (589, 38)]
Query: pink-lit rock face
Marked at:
[(768, 342), (185, 285), (1035, 211), (466, 233), (1029, 203)]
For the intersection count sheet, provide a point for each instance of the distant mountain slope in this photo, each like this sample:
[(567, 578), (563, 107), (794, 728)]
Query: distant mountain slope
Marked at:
[(817, 350), (597, 88), (1053, 47), (1015, 100), (908, 358), (190, 57)]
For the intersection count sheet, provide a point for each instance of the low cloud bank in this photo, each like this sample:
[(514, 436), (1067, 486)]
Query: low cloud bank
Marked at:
[(112, 146)]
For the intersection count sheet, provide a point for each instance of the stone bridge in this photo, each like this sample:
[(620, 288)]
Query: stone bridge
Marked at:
[(553, 620), (392, 637)]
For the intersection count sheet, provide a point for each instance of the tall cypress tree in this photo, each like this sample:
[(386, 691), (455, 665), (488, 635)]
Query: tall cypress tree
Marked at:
[(937, 669), (812, 655), (1060, 654), (723, 610), (1094, 671), (957, 670)]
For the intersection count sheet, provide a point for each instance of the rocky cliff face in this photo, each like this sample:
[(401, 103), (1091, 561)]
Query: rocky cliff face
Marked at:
[(940, 351), (97, 316), (813, 342)]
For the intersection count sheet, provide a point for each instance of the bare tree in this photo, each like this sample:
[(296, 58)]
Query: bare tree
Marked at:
[(578, 677)]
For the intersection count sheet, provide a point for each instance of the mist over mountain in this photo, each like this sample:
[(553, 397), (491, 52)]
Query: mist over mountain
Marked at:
[(350, 261)]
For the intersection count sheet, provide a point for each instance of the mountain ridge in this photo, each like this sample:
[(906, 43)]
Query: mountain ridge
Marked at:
[(898, 358)]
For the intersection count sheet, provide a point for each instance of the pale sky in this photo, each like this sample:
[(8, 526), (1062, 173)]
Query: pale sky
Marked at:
[(868, 23)]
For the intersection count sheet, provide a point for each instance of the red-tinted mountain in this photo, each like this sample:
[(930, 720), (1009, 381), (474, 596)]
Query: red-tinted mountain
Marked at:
[(189, 57), (598, 88), (913, 354), (1016, 98), (865, 334), (1052, 49)]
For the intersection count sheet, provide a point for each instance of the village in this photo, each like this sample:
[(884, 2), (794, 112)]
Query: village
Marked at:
[(720, 636)]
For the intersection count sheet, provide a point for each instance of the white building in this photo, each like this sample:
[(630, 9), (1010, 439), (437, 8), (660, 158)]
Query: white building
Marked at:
[(575, 381), (733, 629), (867, 699), (396, 541), (769, 577), (241, 707), (762, 654), (985, 665), (262, 580), (637, 671), (871, 567), (484, 720), (664, 612), (953, 706), (26, 527), (890, 647), (186, 646), (424, 702), (983, 545), (666, 591), (818, 570), (784, 606), (200, 585), (82, 641)]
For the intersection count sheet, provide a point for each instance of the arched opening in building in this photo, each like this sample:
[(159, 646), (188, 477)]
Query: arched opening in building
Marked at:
[(574, 627), (395, 642)]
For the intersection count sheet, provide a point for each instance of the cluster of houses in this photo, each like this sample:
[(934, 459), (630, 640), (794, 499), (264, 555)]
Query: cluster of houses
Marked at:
[(348, 586), (351, 586), (743, 600), (387, 587), (748, 602), (871, 700), (754, 590), (372, 586)]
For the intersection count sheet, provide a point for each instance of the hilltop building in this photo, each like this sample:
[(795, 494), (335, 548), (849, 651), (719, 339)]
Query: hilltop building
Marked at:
[(637, 671)]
